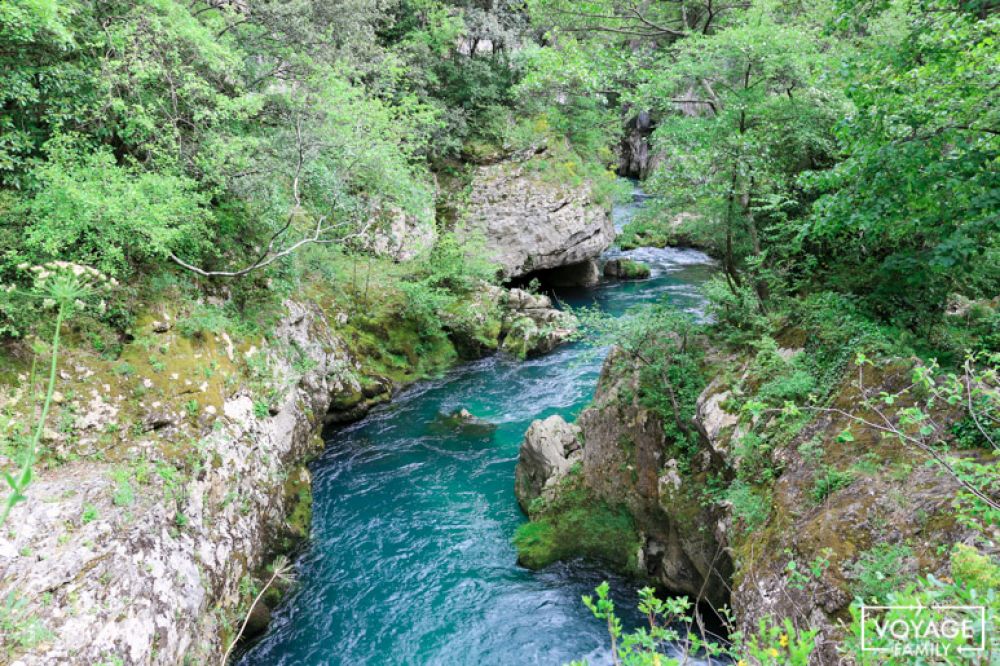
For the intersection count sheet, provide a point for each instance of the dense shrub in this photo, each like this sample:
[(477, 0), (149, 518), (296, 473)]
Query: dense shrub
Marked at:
[(85, 208)]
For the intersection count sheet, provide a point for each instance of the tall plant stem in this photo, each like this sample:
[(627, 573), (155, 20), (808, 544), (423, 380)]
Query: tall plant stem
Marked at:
[(280, 568), (24, 477)]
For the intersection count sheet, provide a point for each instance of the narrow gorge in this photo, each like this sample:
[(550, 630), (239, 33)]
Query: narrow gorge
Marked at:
[(414, 511), (514, 332)]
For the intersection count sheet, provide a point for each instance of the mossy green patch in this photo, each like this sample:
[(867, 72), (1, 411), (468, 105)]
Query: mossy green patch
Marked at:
[(630, 269), (11, 366), (977, 570), (575, 523), (521, 337), (298, 503), (654, 229)]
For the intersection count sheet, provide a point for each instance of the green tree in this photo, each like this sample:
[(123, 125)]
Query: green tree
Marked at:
[(743, 113), (915, 203)]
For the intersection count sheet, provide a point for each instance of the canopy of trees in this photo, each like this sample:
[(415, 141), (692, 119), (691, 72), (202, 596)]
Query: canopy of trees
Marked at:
[(842, 146), (847, 145)]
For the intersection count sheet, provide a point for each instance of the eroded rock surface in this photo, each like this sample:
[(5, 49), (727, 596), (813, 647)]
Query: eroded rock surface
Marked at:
[(138, 559), (549, 449), (738, 550), (625, 462), (635, 159), (183, 475), (583, 274), (531, 224), (532, 325)]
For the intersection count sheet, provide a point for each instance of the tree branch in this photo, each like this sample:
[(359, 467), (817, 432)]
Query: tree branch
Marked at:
[(268, 256)]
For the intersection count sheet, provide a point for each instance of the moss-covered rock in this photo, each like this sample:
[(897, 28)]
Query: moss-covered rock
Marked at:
[(298, 503), (532, 325), (682, 230), (462, 421), (626, 269), (576, 523), (775, 517), (627, 471)]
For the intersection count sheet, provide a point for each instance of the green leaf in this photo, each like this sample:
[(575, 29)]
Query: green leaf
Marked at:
[(845, 436)]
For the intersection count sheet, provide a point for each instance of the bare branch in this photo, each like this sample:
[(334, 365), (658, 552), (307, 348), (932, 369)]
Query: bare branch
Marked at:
[(281, 571), (972, 411), (319, 236)]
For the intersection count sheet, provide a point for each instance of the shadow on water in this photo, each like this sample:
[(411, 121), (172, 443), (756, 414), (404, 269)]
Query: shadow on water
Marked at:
[(411, 560)]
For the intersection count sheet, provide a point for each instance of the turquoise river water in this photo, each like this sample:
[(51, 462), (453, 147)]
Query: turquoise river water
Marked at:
[(411, 559)]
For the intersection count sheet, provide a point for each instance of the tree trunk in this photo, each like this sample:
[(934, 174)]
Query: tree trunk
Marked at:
[(763, 292)]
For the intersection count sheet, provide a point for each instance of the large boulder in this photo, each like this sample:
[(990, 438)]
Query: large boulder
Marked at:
[(531, 224), (549, 449), (531, 325)]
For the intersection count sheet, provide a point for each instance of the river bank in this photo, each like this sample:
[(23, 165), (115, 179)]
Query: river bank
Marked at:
[(172, 469)]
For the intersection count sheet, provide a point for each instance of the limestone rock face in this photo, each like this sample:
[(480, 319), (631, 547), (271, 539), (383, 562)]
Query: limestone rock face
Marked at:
[(898, 499), (624, 463), (635, 159), (530, 224), (140, 563), (689, 544), (549, 448), (737, 550), (712, 420)]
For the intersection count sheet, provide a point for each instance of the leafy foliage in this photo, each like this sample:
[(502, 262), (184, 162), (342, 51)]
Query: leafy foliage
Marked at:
[(665, 642), (136, 133), (87, 209), (909, 605), (844, 147), (915, 201), (661, 342), (877, 570)]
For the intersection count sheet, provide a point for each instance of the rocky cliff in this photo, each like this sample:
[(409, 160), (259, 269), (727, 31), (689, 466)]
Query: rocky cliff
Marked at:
[(137, 551), (634, 155), (532, 222), (627, 463), (773, 518), (175, 472)]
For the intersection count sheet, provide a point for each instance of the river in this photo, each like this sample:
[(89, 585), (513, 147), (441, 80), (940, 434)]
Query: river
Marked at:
[(411, 559)]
